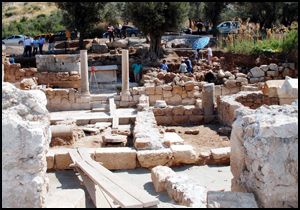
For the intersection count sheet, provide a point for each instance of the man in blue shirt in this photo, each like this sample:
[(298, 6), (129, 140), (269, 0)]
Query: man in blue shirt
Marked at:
[(137, 69), (189, 65), (41, 44), (164, 66)]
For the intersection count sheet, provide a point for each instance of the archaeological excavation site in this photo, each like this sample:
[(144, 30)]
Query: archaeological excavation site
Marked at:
[(78, 130)]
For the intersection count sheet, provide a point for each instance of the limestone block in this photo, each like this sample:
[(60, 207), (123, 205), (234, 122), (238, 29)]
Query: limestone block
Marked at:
[(167, 93), (62, 159), (230, 200), (175, 100), (220, 153), (164, 120), (160, 104), (183, 154), (150, 90), (189, 86), (264, 155), (289, 89), (272, 73), (257, 72), (178, 110), (114, 138), (271, 86), (142, 143), (151, 158), (189, 101), (167, 87), (264, 67), (171, 138), (50, 159), (159, 174), (25, 141), (273, 67), (186, 192), (177, 89), (116, 158), (158, 90), (230, 83), (154, 98)]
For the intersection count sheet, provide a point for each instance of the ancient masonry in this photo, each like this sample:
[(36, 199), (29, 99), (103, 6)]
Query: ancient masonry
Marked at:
[(259, 112)]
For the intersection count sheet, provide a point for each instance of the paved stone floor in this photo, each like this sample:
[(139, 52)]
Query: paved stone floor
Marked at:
[(213, 177)]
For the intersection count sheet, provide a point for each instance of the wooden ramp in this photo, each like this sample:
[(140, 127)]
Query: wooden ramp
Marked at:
[(106, 189)]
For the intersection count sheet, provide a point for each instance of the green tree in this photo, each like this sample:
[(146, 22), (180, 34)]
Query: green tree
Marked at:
[(212, 12), (155, 18), (81, 16)]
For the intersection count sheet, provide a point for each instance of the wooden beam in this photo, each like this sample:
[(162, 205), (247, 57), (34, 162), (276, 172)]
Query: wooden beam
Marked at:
[(138, 194), (118, 194)]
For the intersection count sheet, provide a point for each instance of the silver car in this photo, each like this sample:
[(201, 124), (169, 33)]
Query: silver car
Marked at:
[(14, 40), (228, 27)]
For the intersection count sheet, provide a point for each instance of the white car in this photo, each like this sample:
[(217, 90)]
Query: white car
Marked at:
[(14, 40), (228, 27)]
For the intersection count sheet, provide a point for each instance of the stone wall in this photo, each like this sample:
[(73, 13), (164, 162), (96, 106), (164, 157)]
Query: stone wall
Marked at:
[(25, 141), (14, 73), (264, 155), (179, 115), (227, 105), (66, 99), (58, 63)]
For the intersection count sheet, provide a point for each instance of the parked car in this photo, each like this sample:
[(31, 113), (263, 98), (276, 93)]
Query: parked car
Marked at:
[(14, 40), (130, 31), (228, 27), (61, 36)]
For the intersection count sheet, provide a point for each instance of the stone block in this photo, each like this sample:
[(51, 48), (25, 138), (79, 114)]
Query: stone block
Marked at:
[(167, 87), (160, 104), (116, 158), (171, 138), (177, 89), (167, 93), (50, 160), (164, 120), (221, 155), (152, 158), (150, 90), (62, 159), (189, 86), (257, 72), (158, 90), (142, 143), (154, 98), (188, 101), (159, 174), (175, 100), (183, 154), (230, 200)]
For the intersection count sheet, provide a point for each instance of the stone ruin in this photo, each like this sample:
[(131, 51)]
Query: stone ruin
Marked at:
[(263, 153)]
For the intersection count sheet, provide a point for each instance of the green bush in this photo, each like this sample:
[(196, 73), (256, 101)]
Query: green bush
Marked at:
[(290, 41)]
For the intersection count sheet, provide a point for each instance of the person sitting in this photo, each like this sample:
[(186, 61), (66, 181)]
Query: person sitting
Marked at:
[(137, 69), (189, 65), (183, 67), (164, 66)]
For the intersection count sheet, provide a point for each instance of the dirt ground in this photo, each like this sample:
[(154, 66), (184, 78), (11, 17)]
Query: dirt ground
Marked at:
[(206, 139)]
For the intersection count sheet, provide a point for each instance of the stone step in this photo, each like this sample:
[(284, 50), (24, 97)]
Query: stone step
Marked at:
[(99, 104), (101, 97), (99, 110)]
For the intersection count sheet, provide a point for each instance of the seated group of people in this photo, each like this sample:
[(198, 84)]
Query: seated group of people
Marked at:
[(185, 66)]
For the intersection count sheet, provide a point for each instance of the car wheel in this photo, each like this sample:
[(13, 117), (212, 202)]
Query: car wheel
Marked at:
[(20, 42)]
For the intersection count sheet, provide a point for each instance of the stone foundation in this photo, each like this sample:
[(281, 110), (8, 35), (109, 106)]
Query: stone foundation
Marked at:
[(264, 155)]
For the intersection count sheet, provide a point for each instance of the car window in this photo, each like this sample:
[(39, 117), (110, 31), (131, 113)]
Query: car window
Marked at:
[(17, 37), (11, 37)]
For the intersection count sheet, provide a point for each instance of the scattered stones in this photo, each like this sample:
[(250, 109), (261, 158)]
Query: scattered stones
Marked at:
[(183, 154), (159, 174)]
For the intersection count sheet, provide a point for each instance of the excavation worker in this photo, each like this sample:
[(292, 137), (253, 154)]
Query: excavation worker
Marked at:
[(164, 66), (189, 65), (183, 67), (110, 30), (137, 69)]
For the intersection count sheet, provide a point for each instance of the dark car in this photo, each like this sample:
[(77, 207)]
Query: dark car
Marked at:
[(130, 31), (61, 36)]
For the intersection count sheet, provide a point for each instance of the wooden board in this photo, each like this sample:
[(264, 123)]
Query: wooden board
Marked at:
[(140, 195), (118, 194), (105, 68)]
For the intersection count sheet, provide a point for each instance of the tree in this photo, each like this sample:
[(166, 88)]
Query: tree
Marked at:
[(81, 16), (212, 12), (155, 18)]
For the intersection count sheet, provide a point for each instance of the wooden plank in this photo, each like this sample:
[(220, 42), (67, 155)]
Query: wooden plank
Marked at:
[(105, 68), (112, 203), (140, 195), (115, 122), (99, 200), (118, 194)]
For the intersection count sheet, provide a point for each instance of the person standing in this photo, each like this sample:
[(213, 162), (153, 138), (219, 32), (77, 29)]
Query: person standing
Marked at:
[(197, 55), (41, 44), (209, 55), (123, 31), (189, 65), (35, 46), (137, 69), (164, 66), (28, 46), (110, 30), (183, 67), (51, 44)]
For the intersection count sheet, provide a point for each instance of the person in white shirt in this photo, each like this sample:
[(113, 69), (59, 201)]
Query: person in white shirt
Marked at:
[(209, 55), (28, 46), (183, 67)]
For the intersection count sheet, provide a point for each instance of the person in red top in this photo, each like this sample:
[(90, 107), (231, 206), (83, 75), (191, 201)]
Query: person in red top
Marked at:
[(110, 30)]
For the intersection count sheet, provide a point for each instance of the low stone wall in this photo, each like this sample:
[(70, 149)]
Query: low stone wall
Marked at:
[(66, 99), (264, 155), (58, 63), (179, 115), (14, 73), (227, 105)]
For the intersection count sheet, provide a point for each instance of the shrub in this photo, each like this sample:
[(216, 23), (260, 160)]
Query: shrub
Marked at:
[(290, 41)]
